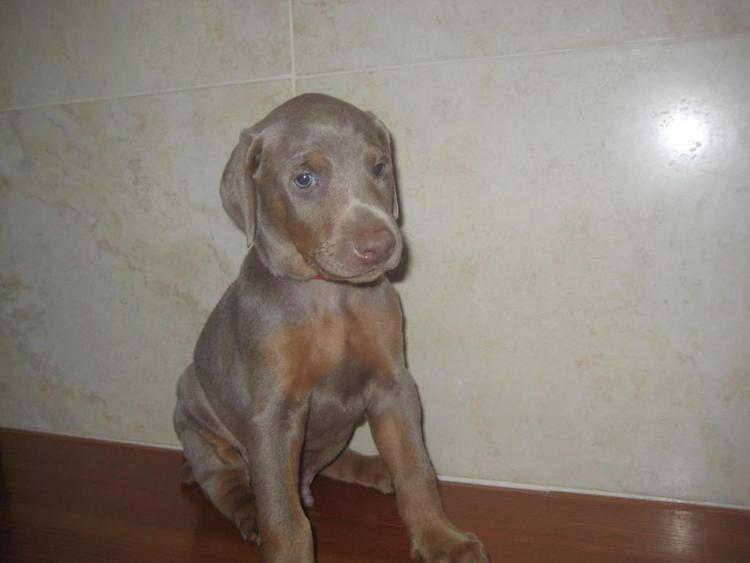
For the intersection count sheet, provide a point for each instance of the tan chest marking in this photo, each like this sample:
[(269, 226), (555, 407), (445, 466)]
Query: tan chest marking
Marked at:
[(303, 354)]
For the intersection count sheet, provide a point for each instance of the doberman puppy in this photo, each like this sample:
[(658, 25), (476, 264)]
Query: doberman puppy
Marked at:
[(307, 342)]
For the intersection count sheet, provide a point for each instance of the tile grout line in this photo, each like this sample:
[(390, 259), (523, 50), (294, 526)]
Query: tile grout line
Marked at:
[(292, 69), (293, 75), (147, 93), (547, 489), (586, 49)]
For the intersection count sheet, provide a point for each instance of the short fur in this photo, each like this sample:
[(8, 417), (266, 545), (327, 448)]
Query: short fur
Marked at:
[(289, 364)]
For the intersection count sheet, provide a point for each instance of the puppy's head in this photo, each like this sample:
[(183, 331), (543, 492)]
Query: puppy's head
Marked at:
[(312, 186)]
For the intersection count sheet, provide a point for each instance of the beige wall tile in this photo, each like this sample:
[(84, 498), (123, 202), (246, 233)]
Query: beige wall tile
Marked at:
[(335, 35), (114, 249), (56, 51), (578, 298)]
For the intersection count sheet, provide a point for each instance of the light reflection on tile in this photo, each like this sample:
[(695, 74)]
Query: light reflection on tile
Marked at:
[(684, 133)]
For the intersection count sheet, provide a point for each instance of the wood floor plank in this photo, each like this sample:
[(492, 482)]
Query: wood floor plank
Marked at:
[(66, 499)]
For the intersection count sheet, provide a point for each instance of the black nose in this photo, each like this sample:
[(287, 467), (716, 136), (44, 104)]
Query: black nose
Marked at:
[(374, 245)]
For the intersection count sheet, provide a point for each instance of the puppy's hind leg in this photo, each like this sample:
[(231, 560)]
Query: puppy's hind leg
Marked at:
[(366, 470), (221, 472)]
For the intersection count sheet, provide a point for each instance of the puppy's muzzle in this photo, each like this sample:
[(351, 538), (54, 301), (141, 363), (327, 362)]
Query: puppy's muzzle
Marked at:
[(374, 244)]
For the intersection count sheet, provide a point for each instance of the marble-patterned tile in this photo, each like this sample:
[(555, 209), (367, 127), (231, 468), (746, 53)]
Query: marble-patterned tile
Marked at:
[(578, 294), (336, 35), (55, 51), (114, 249)]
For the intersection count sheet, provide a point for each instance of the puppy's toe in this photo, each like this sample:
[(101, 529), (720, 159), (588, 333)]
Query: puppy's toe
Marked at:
[(384, 484), (249, 531), (307, 498), (377, 476), (247, 522)]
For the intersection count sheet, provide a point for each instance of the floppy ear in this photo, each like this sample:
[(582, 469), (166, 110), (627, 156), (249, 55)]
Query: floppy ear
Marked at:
[(238, 185), (386, 136)]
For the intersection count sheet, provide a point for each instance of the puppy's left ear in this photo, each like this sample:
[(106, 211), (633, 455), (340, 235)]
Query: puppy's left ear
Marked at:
[(238, 183), (386, 138)]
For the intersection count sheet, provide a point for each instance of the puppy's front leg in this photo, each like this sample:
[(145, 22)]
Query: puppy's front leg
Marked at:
[(275, 437), (395, 421)]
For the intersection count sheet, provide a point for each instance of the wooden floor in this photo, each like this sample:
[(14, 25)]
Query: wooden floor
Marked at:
[(66, 499)]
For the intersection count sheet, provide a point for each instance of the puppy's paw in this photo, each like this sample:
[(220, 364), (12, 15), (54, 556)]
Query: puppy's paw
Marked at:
[(375, 474), (308, 501), (451, 546), (247, 523), (249, 532)]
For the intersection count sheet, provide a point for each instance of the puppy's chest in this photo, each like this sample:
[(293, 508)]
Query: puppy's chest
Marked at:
[(353, 342)]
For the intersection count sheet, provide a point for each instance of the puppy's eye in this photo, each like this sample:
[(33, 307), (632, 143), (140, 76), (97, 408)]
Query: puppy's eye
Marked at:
[(304, 180), (379, 169)]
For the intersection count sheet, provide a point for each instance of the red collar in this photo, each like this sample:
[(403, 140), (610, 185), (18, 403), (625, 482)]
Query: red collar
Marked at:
[(318, 277)]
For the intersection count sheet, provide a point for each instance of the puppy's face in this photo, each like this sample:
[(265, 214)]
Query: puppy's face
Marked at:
[(326, 201)]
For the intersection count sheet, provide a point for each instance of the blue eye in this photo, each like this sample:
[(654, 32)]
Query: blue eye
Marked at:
[(304, 180), (379, 169)]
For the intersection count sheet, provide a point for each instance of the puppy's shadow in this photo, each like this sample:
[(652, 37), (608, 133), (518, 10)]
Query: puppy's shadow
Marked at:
[(400, 272)]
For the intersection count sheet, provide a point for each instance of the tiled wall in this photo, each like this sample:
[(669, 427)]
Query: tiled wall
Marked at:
[(575, 187)]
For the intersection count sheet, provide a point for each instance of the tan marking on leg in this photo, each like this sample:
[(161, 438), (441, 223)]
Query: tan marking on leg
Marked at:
[(230, 492), (229, 488), (415, 482), (225, 451), (227, 480), (287, 536), (434, 538)]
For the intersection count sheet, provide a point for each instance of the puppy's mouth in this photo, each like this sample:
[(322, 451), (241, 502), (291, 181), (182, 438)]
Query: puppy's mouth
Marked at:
[(360, 278), (349, 270)]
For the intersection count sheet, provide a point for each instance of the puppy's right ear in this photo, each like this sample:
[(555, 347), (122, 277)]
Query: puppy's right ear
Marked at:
[(386, 138), (238, 183)]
